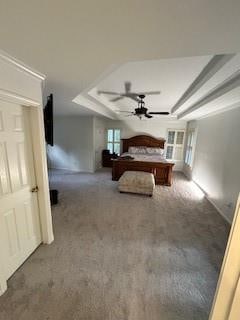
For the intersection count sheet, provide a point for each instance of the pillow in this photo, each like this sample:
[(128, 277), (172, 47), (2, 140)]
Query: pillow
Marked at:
[(137, 150), (158, 151)]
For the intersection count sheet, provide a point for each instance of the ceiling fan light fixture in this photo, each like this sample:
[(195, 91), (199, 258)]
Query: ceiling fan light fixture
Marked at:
[(142, 112), (139, 116)]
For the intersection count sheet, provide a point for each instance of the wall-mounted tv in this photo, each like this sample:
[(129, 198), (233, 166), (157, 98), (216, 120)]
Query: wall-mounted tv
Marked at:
[(48, 120)]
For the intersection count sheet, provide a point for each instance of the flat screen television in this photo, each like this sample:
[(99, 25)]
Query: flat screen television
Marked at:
[(48, 120)]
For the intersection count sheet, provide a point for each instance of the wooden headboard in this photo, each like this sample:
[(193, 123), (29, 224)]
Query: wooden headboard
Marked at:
[(142, 140)]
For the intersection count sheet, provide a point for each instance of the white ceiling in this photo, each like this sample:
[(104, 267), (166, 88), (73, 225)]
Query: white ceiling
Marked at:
[(189, 88), (225, 72), (171, 77), (76, 42)]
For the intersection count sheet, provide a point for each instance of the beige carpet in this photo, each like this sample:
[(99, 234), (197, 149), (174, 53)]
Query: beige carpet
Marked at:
[(121, 256)]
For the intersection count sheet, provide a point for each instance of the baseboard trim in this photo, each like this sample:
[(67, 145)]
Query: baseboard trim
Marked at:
[(67, 169), (216, 207), (3, 286), (209, 199)]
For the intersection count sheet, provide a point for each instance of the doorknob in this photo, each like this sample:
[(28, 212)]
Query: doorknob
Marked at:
[(34, 189)]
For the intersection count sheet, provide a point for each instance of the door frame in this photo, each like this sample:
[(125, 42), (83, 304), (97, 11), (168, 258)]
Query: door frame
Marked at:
[(40, 165), (225, 305)]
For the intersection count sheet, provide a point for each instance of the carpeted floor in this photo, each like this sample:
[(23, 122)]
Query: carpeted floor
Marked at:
[(121, 256)]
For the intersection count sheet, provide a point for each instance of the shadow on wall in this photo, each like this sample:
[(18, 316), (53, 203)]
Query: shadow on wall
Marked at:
[(58, 158)]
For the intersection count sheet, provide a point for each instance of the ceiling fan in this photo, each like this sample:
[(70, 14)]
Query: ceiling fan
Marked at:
[(127, 94), (141, 111)]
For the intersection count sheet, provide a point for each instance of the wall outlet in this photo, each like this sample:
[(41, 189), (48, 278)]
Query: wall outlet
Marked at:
[(229, 205)]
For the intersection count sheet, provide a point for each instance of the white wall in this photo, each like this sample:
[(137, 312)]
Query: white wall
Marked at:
[(99, 124), (73, 144), (216, 166), (156, 128)]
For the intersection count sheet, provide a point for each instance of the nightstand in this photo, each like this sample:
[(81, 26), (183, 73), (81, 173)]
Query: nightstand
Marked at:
[(107, 158)]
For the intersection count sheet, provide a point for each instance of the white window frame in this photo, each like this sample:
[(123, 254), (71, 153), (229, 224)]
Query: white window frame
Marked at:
[(114, 142), (174, 144), (189, 153)]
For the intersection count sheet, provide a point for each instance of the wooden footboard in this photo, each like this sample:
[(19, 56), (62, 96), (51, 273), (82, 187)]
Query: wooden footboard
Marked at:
[(162, 171)]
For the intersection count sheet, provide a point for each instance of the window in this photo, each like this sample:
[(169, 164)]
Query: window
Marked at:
[(113, 140), (175, 140), (189, 148)]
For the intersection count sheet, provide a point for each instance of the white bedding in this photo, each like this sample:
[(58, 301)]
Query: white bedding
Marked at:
[(146, 157)]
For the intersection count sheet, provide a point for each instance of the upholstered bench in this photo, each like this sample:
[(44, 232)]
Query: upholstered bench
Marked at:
[(137, 182)]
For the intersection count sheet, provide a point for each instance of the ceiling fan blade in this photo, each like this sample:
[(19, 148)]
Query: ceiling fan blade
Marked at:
[(120, 111), (162, 113), (132, 96), (127, 85), (150, 92), (108, 92), (148, 116), (129, 115), (116, 99)]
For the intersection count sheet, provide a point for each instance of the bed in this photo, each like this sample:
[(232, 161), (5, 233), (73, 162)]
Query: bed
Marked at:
[(147, 161)]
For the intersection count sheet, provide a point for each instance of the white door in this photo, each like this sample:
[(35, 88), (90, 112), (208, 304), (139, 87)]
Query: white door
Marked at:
[(19, 217)]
